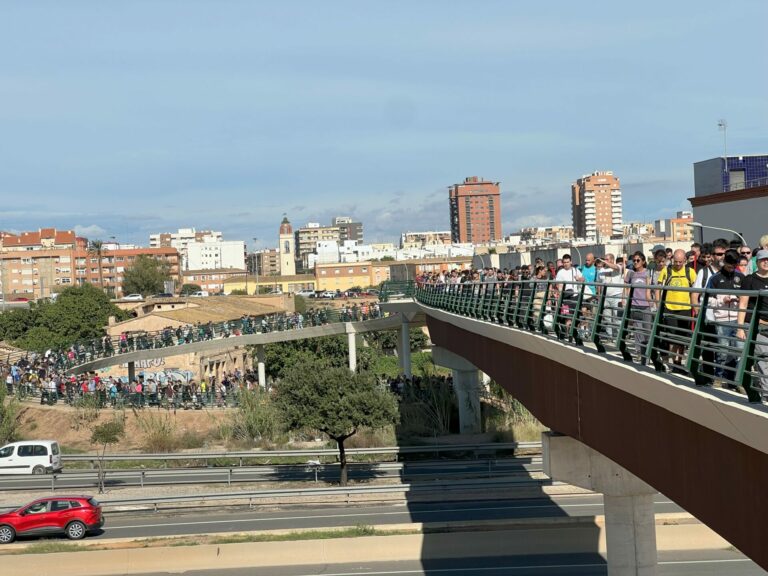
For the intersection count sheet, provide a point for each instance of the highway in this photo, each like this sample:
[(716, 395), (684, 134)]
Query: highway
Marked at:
[(324, 516), (699, 563)]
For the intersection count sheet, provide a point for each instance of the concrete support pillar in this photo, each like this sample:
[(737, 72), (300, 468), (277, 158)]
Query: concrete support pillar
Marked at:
[(352, 342), (261, 367), (131, 371), (466, 385), (404, 349), (630, 525)]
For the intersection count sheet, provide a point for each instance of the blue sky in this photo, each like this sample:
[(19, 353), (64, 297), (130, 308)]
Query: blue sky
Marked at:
[(125, 118)]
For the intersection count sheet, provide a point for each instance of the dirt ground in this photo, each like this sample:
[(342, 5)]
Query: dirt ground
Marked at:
[(59, 423)]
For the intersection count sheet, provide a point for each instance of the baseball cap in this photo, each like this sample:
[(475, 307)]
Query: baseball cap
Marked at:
[(761, 254)]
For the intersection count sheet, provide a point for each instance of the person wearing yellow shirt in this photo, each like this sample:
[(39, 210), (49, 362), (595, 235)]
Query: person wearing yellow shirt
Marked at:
[(677, 305)]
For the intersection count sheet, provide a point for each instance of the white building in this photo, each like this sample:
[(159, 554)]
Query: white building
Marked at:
[(215, 255), (181, 240)]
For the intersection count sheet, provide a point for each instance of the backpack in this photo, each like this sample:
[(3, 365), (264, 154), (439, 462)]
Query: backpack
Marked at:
[(688, 271)]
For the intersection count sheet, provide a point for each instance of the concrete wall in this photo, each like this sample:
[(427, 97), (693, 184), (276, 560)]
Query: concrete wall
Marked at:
[(748, 217)]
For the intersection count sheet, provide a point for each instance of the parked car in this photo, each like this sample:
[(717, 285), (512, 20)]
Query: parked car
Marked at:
[(133, 297), (306, 293), (30, 457), (328, 294), (200, 294), (73, 516)]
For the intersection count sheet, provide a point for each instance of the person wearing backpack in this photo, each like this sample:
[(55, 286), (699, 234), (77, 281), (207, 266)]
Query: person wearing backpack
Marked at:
[(677, 307)]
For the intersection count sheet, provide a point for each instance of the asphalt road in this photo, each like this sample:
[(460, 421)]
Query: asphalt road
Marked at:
[(704, 563), (212, 522)]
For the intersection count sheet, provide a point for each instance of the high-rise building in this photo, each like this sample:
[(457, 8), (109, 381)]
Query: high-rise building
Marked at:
[(596, 207), (348, 229), (475, 208), (286, 248)]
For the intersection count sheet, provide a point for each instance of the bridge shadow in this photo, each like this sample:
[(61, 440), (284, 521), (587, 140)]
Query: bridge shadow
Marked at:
[(508, 517)]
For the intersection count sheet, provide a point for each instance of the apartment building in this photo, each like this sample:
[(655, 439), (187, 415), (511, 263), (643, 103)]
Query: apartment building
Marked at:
[(212, 281), (422, 239), (109, 272), (183, 239), (34, 265), (596, 207), (475, 211)]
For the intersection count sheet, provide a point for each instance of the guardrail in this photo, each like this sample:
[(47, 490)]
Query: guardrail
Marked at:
[(396, 451), (685, 330), (346, 491), (311, 470)]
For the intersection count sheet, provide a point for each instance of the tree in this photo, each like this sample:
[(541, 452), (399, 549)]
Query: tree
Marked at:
[(333, 349), (188, 289), (96, 248), (104, 434), (10, 416), (387, 339), (333, 401), (79, 313), (145, 277)]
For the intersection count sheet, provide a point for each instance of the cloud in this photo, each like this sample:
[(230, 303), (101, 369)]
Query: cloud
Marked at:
[(92, 231)]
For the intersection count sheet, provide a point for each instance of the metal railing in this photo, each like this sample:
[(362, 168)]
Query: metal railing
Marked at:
[(685, 330), (240, 456), (396, 290), (755, 183), (132, 341), (347, 492)]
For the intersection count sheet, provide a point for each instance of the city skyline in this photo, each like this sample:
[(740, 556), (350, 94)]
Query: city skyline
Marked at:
[(225, 116)]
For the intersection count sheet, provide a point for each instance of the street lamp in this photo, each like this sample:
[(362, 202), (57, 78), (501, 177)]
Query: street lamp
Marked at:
[(700, 225), (723, 125)]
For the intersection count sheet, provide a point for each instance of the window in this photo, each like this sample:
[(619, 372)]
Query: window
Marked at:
[(57, 505), (5, 452), (32, 450)]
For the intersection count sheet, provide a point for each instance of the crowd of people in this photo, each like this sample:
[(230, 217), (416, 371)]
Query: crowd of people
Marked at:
[(583, 302), (43, 375)]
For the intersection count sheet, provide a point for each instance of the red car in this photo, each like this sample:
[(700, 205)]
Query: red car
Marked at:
[(73, 516)]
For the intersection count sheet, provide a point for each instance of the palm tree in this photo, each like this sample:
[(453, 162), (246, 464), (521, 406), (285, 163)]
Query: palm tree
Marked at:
[(96, 248)]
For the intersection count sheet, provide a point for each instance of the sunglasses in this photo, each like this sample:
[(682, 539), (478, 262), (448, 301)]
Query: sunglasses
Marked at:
[(718, 253), (746, 253), (636, 260)]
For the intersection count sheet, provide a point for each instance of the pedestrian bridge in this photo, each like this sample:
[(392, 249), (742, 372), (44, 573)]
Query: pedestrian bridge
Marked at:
[(705, 448), (220, 338)]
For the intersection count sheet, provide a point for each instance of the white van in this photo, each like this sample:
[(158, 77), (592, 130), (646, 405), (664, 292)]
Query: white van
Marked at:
[(30, 457)]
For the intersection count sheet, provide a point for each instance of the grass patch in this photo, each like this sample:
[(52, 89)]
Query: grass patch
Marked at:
[(48, 547), (359, 531), (354, 532)]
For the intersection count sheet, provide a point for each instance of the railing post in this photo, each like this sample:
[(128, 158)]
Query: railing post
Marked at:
[(747, 360), (654, 340), (693, 362), (597, 324), (621, 339)]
